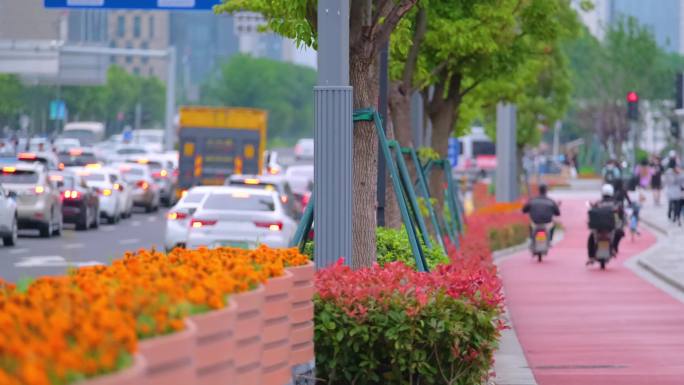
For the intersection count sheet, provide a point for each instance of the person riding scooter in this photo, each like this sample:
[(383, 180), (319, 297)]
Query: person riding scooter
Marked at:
[(541, 210), (605, 217)]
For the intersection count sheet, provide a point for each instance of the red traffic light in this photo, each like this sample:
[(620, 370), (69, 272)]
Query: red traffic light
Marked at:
[(632, 97)]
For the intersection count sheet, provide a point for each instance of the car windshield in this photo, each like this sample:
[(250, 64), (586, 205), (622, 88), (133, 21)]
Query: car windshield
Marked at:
[(128, 151), (94, 177), (68, 182), (68, 159), (194, 197), (239, 201), (133, 174), (257, 185), (18, 177), (484, 148)]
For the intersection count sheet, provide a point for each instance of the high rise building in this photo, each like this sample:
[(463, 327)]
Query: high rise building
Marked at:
[(202, 41), (141, 30)]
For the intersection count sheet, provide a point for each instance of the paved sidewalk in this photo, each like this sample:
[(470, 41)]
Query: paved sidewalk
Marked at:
[(579, 325), (666, 261)]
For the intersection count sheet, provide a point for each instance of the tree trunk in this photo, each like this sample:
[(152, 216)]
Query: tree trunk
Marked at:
[(363, 76), (442, 124), (400, 112), (392, 214)]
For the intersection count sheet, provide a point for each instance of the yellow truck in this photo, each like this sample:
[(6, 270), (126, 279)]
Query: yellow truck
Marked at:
[(217, 142)]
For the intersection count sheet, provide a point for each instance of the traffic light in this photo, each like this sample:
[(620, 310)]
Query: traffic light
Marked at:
[(632, 106)]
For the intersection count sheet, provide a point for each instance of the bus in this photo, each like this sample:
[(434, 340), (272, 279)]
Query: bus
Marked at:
[(87, 133), (476, 154)]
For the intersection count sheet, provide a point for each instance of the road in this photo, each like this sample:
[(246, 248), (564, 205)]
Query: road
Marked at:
[(34, 256), (580, 325)]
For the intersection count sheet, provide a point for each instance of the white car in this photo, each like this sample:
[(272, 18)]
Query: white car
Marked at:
[(65, 144), (126, 151), (145, 190), (162, 174), (103, 180), (179, 216), (8, 218), (300, 178), (240, 217), (304, 149), (125, 193)]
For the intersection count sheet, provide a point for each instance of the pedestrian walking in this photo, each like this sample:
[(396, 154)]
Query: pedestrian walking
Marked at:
[(673, 192), (643, 173), (656, 179)]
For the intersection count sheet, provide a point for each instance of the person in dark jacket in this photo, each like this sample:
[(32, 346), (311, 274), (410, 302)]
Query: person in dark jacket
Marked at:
[(615, 204), (542, 209)]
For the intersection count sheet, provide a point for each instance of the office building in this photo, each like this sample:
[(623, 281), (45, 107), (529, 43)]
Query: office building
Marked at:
[(142, 30)]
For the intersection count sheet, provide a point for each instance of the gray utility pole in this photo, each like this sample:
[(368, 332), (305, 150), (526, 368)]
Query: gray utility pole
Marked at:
[(333, 125), (507, 188), (169, 55), (138, 116)]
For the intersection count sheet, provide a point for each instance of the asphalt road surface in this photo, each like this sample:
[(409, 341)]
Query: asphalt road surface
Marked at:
[(34, 256)]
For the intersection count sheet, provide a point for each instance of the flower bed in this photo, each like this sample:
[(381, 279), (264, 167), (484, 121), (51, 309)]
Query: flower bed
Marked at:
[(66, 329)]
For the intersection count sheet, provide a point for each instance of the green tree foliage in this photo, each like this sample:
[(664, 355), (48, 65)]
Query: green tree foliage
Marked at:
[(370, 24), (11, 91), (284, 89), (119, 95), (603, 72)]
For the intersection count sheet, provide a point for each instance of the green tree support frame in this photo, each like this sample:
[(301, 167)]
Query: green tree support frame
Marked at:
[(406, 195)]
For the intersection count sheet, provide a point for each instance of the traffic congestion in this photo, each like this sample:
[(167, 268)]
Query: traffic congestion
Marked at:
[(57, 194)]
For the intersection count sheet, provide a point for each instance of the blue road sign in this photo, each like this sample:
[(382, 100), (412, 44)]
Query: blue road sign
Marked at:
[(57, 110), (453, 151), (133, 4)]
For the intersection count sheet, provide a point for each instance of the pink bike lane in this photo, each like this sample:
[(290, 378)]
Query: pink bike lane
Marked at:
[(581, 325)]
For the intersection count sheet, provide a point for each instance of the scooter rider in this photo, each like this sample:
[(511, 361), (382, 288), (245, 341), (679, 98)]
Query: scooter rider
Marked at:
[(542, 209), (608, 201)]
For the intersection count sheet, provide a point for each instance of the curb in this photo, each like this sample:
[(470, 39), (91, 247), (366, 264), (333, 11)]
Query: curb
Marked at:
[(640, 262)]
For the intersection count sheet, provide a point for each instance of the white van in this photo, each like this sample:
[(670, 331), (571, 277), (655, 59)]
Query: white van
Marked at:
[(477, 153), (88, 133)]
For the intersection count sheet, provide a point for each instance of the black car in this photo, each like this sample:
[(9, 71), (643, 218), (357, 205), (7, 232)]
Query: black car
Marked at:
[(80, 203)]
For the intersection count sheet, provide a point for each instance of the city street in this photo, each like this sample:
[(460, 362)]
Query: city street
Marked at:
[(581, 325), (34, 256)]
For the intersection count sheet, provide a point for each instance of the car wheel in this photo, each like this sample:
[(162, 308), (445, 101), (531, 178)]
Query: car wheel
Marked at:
[(57, 230), (149, 208), (96, 219), (11, 239), (111, 219), (46, 228), (83, 222)]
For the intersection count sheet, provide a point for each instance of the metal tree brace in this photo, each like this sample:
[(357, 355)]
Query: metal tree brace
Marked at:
[(406, 196)]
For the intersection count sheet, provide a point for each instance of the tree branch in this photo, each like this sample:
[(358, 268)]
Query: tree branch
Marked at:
[(471, 87), (412, 58), (381, 31)]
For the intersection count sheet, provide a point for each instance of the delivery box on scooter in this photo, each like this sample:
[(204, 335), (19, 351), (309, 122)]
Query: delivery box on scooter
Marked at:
[(601, 218)]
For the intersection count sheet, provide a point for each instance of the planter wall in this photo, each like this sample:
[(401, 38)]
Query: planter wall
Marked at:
[(301, 315), (215, 346), (170, 359), (248, 343), (133, 375), (275, 362)]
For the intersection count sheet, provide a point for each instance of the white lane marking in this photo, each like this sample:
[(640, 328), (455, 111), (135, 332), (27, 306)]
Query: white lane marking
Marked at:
[(129, 241), (73, 246), (52, 261), (109, 228), (135, 223), (152, 219), (18, 251)]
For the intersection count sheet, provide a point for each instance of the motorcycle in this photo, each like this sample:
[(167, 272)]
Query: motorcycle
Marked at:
[(540, 242), (604, 249)]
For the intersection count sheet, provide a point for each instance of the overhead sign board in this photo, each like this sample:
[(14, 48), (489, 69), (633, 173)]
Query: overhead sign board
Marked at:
[(134, 4)]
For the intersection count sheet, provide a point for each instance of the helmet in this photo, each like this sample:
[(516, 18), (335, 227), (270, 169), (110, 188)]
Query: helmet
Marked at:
[(607, 190)]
